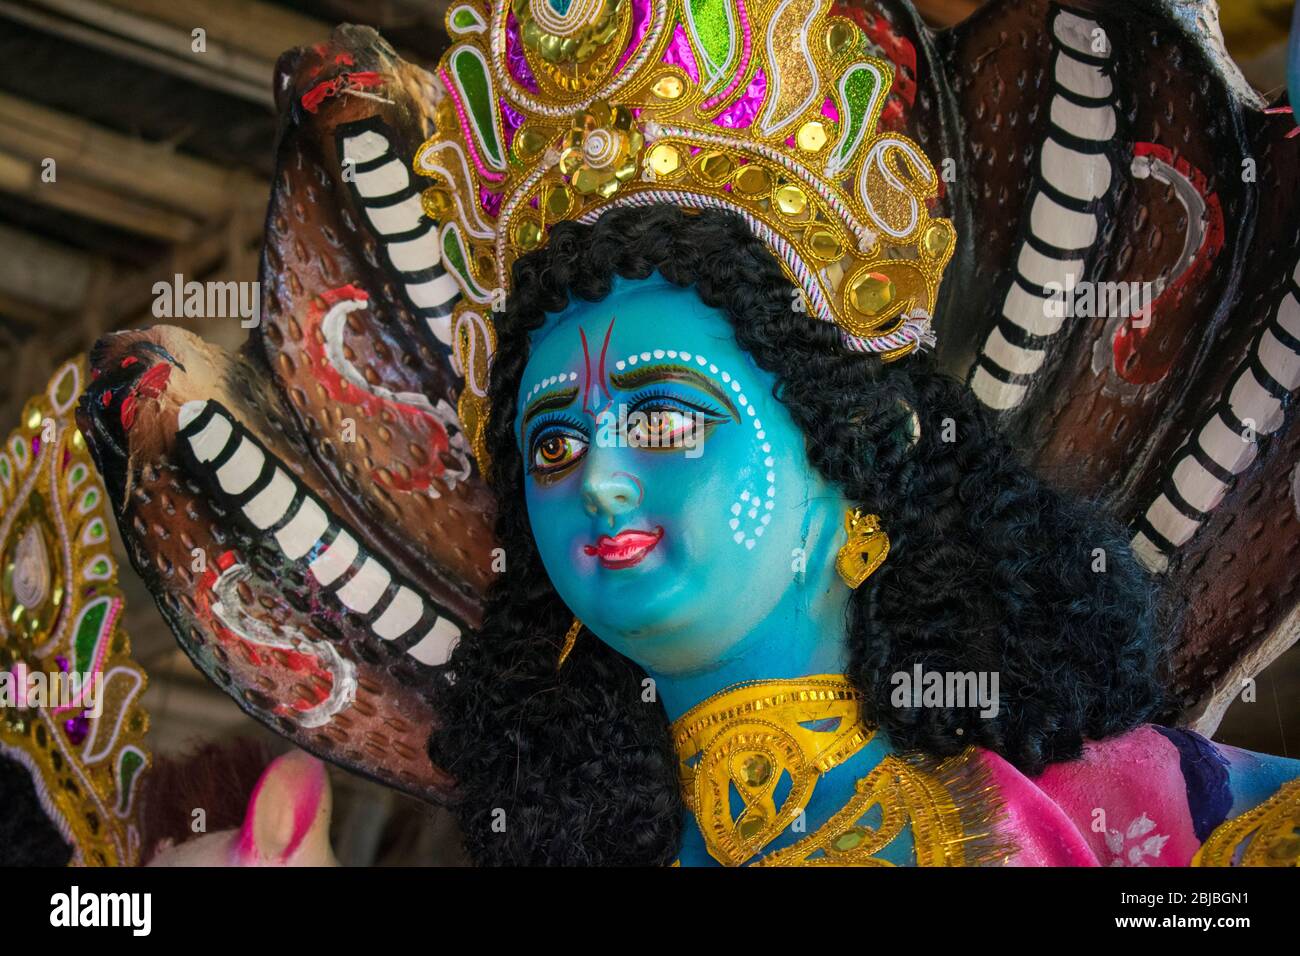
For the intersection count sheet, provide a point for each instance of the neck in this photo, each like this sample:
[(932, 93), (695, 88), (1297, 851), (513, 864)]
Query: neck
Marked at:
[(803, 636)]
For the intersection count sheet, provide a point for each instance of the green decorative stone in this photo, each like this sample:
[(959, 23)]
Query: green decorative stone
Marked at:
[(475, 85)]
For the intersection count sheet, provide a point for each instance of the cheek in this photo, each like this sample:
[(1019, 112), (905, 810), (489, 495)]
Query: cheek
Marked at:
[(734, 497), (557, 520)]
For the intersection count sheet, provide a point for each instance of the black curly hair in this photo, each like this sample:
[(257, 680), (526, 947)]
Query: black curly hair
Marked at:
[(990, 570), (27, 835)]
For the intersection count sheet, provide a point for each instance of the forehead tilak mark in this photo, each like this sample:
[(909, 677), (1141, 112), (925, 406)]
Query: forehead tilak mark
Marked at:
[(594, 385)]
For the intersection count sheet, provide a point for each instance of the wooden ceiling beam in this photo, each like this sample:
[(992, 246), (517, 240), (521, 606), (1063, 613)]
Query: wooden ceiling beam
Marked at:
[(43, 273), (151, 171), (21, 177), (242, 38), (256, 30), (98, 174), (255, 88)]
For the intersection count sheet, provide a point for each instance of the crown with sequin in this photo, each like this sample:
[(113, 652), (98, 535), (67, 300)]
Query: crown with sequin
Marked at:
[(561, 109)]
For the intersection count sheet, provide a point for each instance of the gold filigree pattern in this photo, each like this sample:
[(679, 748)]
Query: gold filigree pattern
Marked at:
[(1268, 835), (748, 737), (905, 796), (71, 712)]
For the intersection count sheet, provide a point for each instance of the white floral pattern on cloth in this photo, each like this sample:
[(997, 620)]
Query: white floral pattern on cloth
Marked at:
[(1137, 843)]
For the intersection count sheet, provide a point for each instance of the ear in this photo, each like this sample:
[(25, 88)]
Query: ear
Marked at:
[(288, 817)]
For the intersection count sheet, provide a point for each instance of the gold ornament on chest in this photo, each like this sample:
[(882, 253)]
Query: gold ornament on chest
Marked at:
[(759, 739), (741, 749)]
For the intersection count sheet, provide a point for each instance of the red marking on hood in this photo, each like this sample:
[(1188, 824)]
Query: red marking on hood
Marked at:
[(341, 390), (152, 382), (266, 659), (148, 386), (312, 99), (127, 413), (1130, 364)]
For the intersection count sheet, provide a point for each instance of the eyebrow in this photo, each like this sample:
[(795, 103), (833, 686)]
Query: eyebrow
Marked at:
[(546, 402), (654, 374)]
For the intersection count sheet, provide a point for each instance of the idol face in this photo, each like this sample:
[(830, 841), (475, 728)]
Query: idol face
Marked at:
[(669, 493)]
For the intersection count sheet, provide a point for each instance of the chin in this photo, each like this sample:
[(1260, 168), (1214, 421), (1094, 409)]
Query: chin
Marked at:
[(642, 615), (642, 610)]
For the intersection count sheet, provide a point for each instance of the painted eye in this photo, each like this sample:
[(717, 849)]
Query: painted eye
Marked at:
[(557, 450), (662, 428)]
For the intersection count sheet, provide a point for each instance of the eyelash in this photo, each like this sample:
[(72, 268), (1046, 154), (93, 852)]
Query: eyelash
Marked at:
[(559, 426), (569, 427), (642, 399)]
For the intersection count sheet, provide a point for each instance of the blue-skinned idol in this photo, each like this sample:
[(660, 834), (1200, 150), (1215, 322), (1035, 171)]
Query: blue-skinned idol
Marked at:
[(716, 433), (662, 472)]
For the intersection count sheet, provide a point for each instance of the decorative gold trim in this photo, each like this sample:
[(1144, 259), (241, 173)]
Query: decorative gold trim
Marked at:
[(747, 737), (60, 608), (751, 736), (952, 810), (1268, 835)]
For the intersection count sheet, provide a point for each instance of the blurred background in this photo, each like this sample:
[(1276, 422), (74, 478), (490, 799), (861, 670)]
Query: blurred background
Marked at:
[(164, 160)]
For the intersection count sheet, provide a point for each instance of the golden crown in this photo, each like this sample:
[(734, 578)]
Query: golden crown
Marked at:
[(561, 109)]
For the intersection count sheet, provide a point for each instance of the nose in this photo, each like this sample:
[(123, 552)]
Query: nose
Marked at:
[(610, 493)]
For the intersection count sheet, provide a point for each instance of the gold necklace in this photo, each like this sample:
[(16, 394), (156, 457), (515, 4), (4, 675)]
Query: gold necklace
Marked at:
[(750, 736)]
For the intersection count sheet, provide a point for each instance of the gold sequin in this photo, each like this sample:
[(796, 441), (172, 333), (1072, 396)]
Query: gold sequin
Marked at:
[(811, 137), (791, 200), (438, 203), (528, 234), (714, 167), (558, 201), (937, 240), (756, 770), (752, 180), (668, 87), (841, 35), (823, 243), (664, 160), (529, 142), (871, 294)]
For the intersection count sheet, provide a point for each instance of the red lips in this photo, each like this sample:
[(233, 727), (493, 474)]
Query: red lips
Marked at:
[(625, 549)]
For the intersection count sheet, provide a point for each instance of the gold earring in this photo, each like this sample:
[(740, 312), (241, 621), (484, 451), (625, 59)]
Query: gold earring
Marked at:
[(569, 640), (866, 549)]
